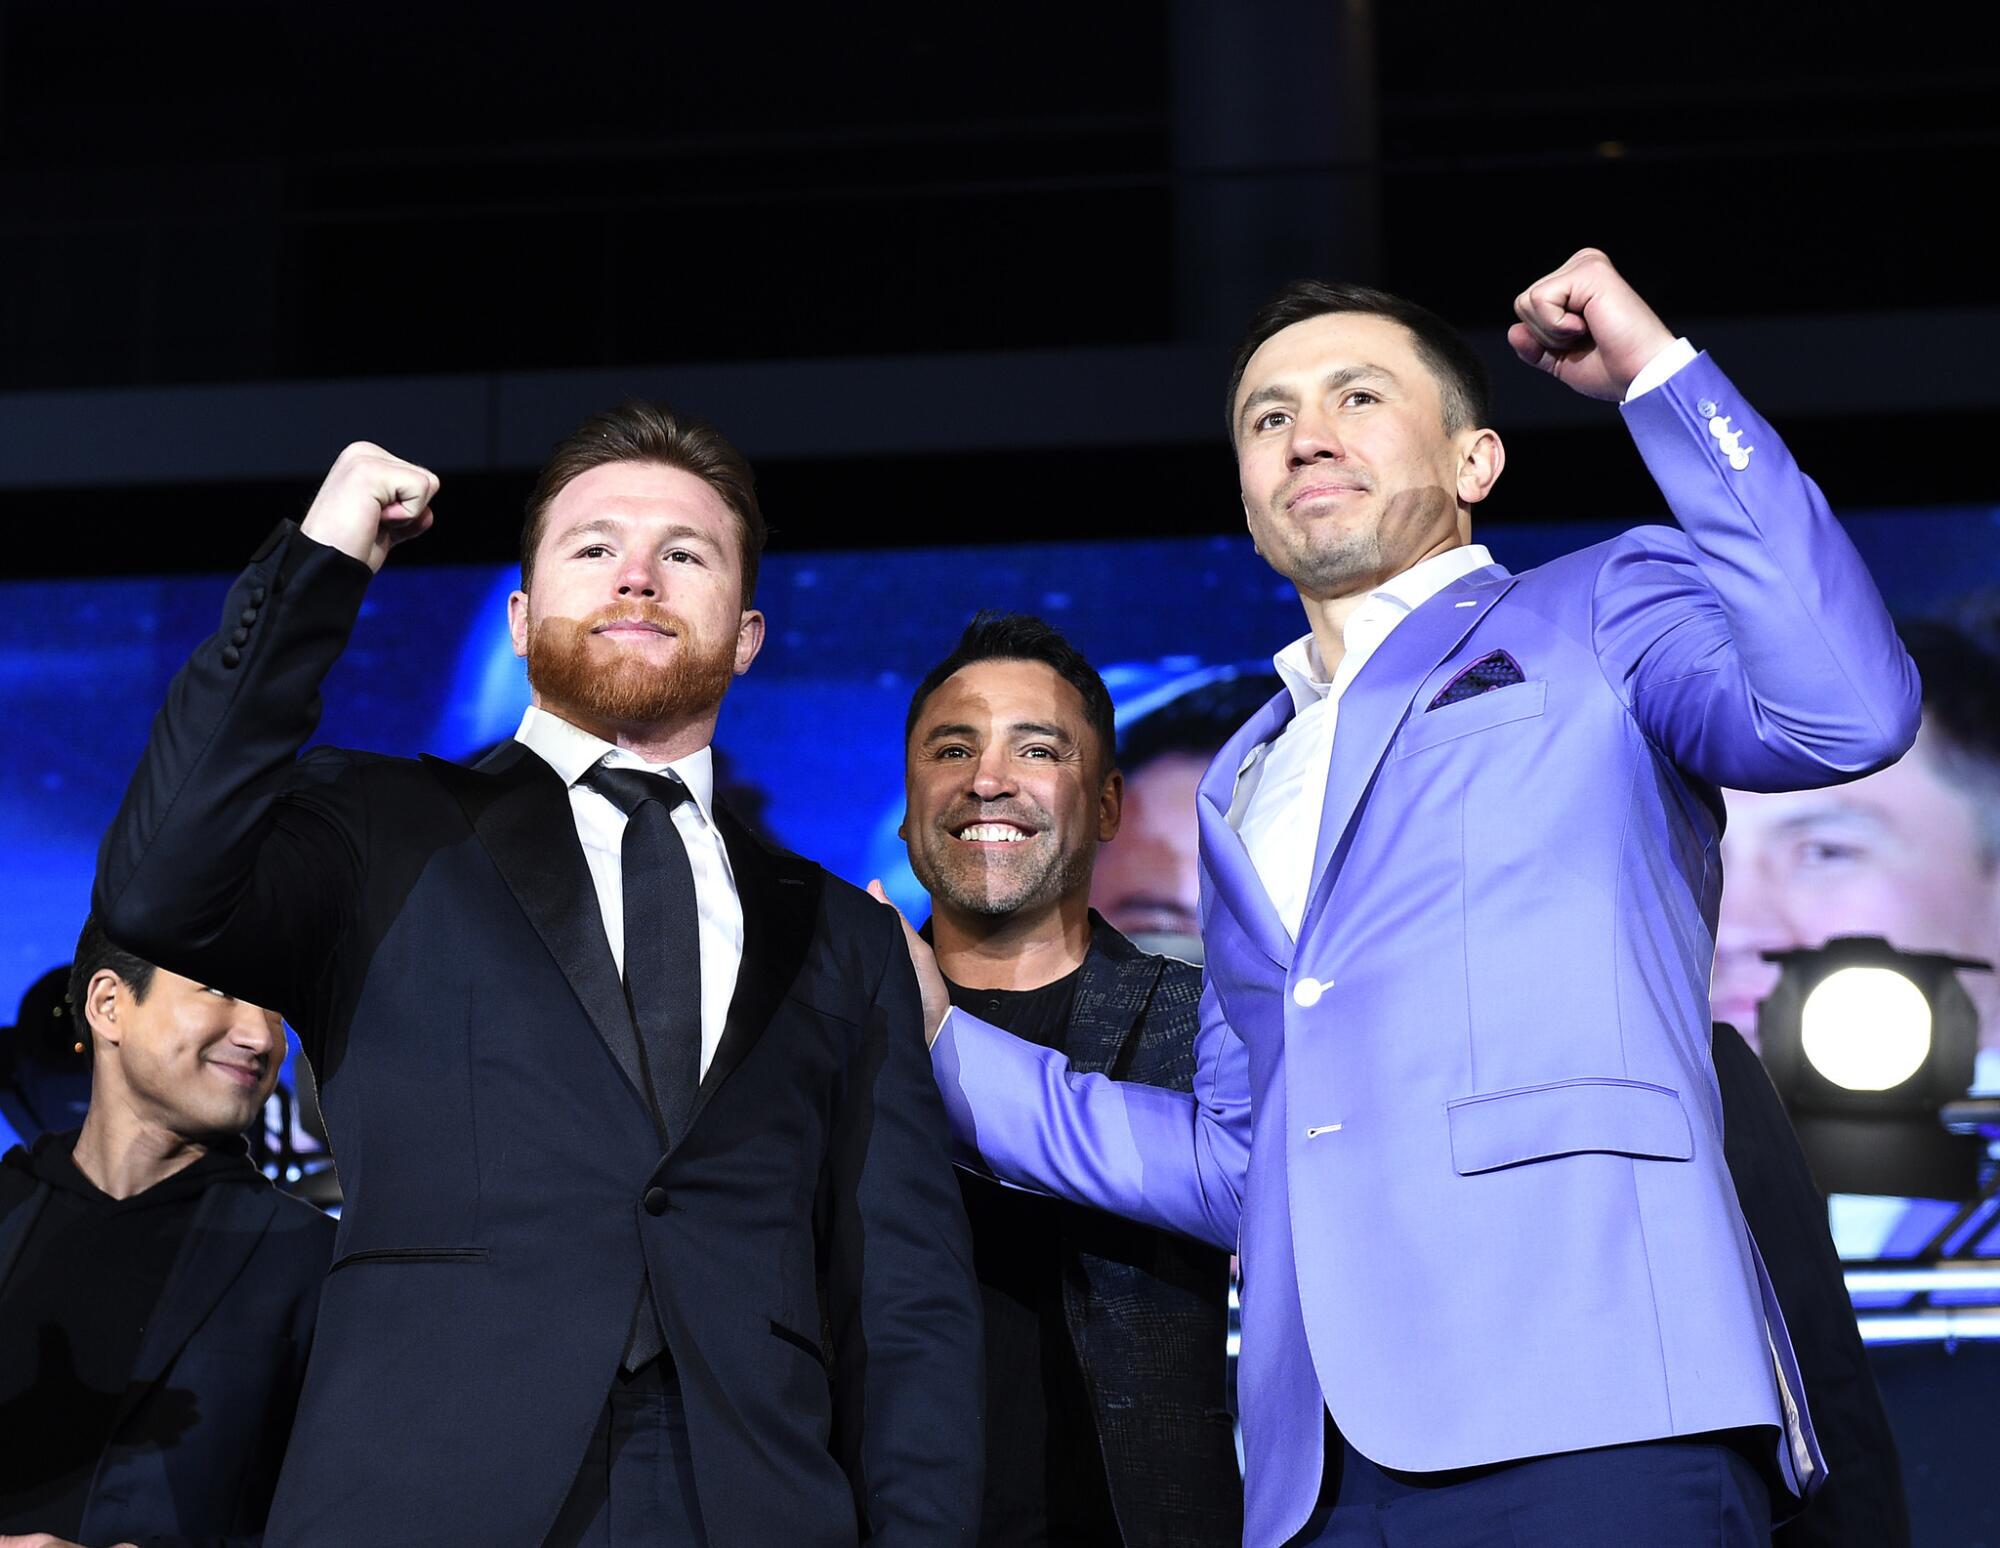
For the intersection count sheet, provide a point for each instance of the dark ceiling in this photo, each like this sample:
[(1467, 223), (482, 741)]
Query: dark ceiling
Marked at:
[(248, 193)]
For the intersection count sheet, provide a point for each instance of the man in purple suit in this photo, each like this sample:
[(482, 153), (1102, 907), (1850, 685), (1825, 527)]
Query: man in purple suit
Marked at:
[(1454, 1103)]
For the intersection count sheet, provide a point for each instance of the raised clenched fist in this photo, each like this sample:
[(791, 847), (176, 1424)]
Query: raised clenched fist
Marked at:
[(1587, 327), (370, 502)]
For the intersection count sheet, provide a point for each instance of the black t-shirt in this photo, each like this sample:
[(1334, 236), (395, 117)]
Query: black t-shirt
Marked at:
[(72, 1313), (1045, 1481)]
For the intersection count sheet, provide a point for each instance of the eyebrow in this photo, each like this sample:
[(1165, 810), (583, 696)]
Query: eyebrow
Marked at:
[(1346, 376), (1844, 812), (679, 532), (1018, 728)]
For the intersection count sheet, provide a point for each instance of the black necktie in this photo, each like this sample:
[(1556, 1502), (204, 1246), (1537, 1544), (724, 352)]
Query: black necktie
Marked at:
[(662, 937), (662, 971)]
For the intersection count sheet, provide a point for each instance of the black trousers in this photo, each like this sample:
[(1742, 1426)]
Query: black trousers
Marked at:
[(635, 1488), (1696, 1492)]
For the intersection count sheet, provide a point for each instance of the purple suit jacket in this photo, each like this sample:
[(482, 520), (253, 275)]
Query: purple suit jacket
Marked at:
[(1465, 1131)]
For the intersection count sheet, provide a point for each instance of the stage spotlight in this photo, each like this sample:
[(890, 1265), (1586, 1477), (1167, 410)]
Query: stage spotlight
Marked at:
[(1866, 1028), (1866, 1044)]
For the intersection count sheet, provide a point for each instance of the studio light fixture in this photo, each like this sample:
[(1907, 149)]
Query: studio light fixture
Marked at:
[(1866, 1044)]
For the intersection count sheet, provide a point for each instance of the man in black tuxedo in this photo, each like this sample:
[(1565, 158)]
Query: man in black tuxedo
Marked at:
[(649, 1235), (1106, 1341), (156, 1292)]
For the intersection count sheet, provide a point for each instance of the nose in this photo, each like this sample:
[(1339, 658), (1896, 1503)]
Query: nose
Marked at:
[(1752, 920), (256, 1030), (993, 777), (1314, 438), (1752, 917), (639, 576)]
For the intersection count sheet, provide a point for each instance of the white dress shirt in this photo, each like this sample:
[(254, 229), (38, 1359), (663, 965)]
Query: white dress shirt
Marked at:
[(600, 828), (1281, 788)]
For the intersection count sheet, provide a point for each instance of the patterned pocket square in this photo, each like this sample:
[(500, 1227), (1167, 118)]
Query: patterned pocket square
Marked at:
[(1497, 670)]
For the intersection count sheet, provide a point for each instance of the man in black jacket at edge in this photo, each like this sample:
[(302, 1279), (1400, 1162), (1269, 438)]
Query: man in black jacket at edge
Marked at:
[(650, 1235), (1861, 1504), (157, 1293), (1107, 1419)]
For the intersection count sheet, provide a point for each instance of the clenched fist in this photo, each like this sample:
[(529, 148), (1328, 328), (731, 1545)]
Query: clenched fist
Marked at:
[(370, 502), (1587, 328)]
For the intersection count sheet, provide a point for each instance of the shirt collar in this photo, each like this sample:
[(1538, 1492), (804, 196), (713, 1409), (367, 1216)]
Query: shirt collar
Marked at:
[(1299, 663), (573, 752)]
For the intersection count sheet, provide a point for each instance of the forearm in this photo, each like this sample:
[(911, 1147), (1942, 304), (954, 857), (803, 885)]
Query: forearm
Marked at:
[(1164, 1158), (180, 861), (1807, 647)]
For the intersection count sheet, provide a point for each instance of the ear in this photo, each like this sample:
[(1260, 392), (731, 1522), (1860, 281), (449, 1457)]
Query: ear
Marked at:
[(100, 1008), (1110, 807), (517, 622), (1481, 457), (749, 639)]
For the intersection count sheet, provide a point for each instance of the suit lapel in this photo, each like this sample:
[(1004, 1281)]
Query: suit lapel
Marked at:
[(229, 1222), (1225, 863), (780, 894), (1116, 982), (520, 809), (1374, 704)]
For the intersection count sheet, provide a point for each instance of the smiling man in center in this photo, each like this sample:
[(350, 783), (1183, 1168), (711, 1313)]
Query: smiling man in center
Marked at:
[(1105, 1340)]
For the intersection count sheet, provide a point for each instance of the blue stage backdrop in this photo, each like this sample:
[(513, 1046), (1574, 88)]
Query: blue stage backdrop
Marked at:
[(816, 727)]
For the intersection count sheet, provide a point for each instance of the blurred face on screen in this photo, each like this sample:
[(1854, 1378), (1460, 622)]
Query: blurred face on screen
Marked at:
[(1897, 854), (1349, 474), (1008, 792), (1149, 881), (635, 618)]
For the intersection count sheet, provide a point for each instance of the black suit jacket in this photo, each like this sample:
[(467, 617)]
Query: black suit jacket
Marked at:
[(1148, 1311), (195, 1449), (433, 934), (1861, 1504)]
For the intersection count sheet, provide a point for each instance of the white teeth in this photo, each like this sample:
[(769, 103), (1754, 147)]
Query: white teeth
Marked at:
[(991, 833)]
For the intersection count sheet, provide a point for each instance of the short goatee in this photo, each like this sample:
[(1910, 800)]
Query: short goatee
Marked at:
[(612, 687)]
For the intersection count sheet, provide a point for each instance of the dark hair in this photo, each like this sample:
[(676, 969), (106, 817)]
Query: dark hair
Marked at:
[(1460, 376), (96, 951), (1198, 722), (1022, 637), (651, 432), (1961, 694)]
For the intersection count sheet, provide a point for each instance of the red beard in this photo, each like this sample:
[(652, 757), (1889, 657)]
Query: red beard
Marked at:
[(603, 684)]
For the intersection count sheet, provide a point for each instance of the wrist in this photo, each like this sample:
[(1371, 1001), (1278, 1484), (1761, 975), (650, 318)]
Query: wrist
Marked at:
[(1659, 367)]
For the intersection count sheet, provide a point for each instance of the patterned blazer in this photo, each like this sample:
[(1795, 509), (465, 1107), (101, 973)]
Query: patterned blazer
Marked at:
[(1147, 1310)]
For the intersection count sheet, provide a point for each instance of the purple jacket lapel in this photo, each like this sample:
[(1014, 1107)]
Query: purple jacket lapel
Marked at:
[(1375, 702), (1225, 862)]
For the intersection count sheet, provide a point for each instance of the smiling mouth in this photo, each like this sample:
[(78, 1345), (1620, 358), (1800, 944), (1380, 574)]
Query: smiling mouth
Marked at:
[(242, 1074), (992, 833)]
